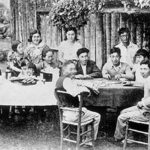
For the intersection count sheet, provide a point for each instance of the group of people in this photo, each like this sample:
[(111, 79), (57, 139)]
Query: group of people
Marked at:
[(126, 62)]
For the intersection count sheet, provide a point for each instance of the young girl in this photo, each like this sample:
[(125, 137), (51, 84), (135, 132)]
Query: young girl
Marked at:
[(15, 57), (49, 69)]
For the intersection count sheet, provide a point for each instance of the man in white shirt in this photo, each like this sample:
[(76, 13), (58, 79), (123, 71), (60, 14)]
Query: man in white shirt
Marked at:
[(128, 49), (137, 112), (115, 70)]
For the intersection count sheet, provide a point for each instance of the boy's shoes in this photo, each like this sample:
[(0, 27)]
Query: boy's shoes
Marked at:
[(129, 142), (88, 145)]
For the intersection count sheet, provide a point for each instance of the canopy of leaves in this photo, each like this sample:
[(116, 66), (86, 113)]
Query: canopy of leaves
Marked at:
[(76, 13)]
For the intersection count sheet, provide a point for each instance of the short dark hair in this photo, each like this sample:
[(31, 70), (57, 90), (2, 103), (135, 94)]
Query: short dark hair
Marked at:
[(15, 45), (23, 63), (142, 52), (145, 62), (71, 29), (45, 50), (35, 31), (123, 30), (115, 50), (82, 50), (32, 66)]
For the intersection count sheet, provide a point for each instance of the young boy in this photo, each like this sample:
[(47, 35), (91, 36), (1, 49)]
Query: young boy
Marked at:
[(140, 55), (138, 111), (67, 83)]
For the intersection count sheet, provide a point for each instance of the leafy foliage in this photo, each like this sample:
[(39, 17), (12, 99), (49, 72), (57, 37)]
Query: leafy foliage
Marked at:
[(72, 12), (76, 13)]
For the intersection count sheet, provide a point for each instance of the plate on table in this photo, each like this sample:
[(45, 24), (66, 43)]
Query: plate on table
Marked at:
[(83, 78), (113, 82), (29, 81), (15, 79), (127, 83)]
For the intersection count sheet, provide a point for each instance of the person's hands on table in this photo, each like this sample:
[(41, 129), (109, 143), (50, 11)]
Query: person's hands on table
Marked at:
[(118, 76), (107, 76), (140, 104)]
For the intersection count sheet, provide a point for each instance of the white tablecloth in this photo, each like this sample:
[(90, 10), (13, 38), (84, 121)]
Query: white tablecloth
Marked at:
[(29, 95)]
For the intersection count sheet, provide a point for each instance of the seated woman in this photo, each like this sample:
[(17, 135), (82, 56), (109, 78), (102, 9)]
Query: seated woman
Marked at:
[(33, 52), (15, 57), (50, 70), (140, 55), (115, 70)]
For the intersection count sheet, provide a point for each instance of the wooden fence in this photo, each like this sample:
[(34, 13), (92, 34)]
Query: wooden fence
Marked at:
[(99, 35)]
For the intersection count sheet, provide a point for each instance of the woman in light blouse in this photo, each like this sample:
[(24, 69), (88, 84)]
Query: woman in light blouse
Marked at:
[(33, 51), (68, 47)]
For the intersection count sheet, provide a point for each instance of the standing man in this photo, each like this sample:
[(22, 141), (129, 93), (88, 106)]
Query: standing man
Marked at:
[(86, 68), (138, 111), (128, 49)]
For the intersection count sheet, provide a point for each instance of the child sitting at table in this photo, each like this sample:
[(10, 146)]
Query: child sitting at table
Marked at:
[(15, 57), (49, 69), (28, 73), (140, 55)]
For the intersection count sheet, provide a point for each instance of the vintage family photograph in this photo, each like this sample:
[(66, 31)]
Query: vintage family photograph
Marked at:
[(74, 74)]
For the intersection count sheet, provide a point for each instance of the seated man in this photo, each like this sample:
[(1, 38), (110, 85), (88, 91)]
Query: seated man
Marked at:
[(140, 55), (138, 111), (116, 69), (86, 68), (67, 83)]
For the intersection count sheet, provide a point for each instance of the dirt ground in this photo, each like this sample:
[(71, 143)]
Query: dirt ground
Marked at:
[(26, 134)]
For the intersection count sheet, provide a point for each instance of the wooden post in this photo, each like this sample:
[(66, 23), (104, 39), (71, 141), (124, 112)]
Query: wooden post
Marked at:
[(82, 36), (99, 40), (108, 33), (139, 35), (104, 58), (122, 22), (113, 30), (87, 35), (93, 37), (133, 29)]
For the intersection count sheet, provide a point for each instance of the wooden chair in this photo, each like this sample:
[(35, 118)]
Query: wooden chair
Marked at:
[(134, 130), (71, 131)]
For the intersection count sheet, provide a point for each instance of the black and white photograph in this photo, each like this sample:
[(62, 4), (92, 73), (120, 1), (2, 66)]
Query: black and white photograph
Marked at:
[(74, 74)]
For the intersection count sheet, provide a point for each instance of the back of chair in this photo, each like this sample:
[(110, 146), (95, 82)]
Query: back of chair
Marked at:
[(63, 97)]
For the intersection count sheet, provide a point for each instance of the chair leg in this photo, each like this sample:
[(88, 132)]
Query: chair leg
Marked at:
[(149, 136), (78, 139), (92, 135), (61, 136), (126, 136)]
